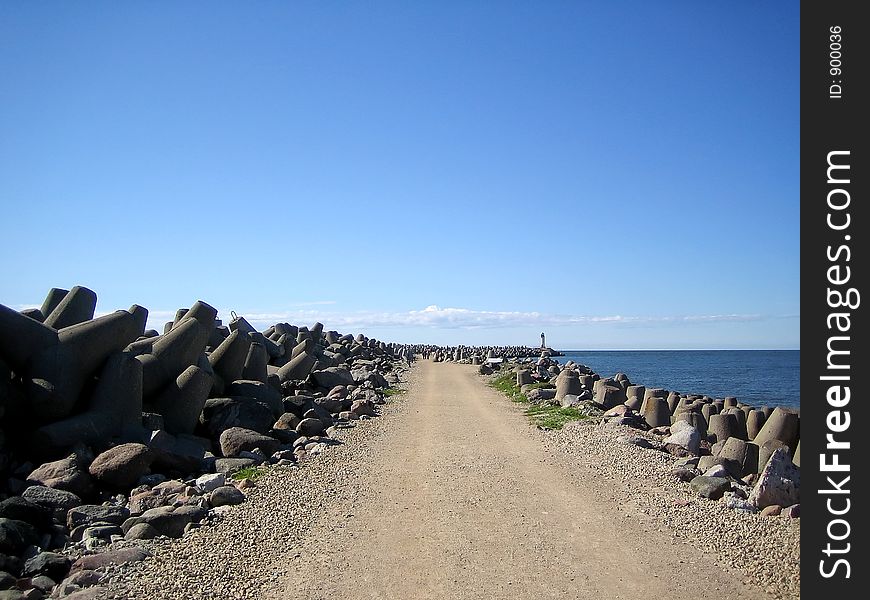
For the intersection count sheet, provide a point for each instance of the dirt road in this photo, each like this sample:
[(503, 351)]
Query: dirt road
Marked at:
[(460, 501)]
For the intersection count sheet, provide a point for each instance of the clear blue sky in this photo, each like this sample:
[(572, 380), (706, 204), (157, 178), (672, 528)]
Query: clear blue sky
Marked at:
[(617, 174)]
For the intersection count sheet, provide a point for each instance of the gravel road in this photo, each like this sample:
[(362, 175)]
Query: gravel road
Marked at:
[(449, 494)]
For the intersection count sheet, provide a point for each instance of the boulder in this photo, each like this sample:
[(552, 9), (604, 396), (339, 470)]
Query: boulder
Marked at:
[(122, 466), (362, 407), (237, 439), (122, 556), (167, 520), (50, 564), (16, 535), (228, 466), (226, 495), (219, 414), (210, 482), (88, 514), (287, 421), (687, 437), (259, 391), (778, 483), (51, 498), (69, 474), (332, 376), (541, 395), (179, 454), (310, 427), (141, 531), (22, 509)]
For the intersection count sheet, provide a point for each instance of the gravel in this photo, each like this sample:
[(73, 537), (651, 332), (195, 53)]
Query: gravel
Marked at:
[(243, 551), (763, 551)]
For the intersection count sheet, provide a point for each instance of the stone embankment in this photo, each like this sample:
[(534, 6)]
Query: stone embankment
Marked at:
[(479, 354), (111, 435)]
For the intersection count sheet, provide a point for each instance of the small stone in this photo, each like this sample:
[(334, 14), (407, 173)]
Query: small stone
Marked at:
[(226, 495), (210, 482)]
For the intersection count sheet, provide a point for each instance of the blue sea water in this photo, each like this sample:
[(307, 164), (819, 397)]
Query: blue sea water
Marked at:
[(755, 377)]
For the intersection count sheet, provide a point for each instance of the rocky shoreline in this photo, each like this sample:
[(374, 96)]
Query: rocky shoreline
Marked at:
[(112, 436)]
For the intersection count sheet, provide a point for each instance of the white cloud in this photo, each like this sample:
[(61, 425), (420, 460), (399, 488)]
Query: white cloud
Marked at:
[(436, 317), (463, 318)]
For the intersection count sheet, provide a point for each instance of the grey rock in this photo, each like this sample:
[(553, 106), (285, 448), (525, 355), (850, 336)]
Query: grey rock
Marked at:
[(210, 481), (88, 514), (50, 564), (237, 439), (141, 531), (710, 487), (226, 495), (309, 427), (227, 466)]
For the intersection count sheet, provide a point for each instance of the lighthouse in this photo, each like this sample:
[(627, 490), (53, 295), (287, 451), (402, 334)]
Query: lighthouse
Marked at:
[(543, 342)]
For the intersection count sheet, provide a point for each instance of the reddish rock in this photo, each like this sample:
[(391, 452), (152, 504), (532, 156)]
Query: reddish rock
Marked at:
[(122, 466)]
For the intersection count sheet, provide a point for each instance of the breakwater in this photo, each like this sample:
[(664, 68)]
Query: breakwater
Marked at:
[(111, 432)]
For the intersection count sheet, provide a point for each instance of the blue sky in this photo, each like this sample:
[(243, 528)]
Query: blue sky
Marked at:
[(617, 174)]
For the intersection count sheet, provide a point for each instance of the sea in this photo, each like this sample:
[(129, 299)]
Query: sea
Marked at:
[(754, 377)]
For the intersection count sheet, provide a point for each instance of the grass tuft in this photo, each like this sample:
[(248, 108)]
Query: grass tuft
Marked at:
[(252, 473), (541, 415), (393, 392)]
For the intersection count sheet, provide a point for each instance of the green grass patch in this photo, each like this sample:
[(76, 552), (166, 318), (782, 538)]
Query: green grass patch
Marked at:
[(252, 473), (507, 385), (552, 417), (542, 415), (393, 392)]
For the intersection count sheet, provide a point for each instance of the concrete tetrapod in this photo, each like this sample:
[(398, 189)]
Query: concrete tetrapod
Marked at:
[(524, 376), (228, 359), (55, 376), (115, 403), (754, 423), (76, 307), (739, 456), (298, 368), (609, 396), (172, 353), (316, 331), (52, 299), (566, 383), (782, 425), (256, 363), (656, 412), (738, 423), (182, 401), (241, 324), (720, 426), (22, 337)]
